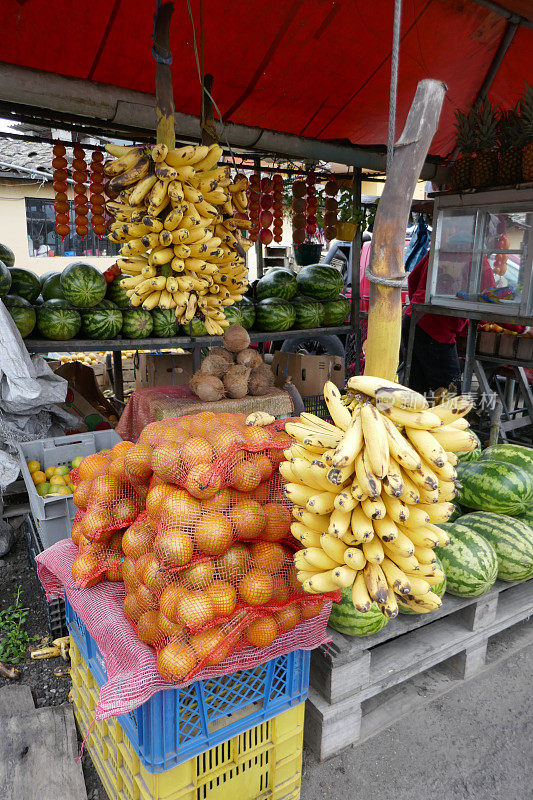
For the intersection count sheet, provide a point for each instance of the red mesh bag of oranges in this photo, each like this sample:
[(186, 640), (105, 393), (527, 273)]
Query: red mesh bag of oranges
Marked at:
[(208, 567)]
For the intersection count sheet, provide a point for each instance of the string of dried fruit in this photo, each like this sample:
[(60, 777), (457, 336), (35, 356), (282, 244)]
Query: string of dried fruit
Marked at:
[(500, 259), (254, 195), (330, 209), (81, 203), (266, 217), (299, 206), (311, 205), (97, 198), (59, 178), (277, 210)]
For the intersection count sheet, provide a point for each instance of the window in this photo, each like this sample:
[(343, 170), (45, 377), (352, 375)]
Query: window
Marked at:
[(40, 218)]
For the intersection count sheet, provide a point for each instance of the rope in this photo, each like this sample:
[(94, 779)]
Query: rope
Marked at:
[(394, 80), (379, 281)]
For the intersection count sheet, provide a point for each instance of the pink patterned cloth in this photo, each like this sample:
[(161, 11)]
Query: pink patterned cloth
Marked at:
[(131, 666)]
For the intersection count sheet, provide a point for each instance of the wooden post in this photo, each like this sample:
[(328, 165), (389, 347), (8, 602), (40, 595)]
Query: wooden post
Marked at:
[(163, 77), (388, 242), (209, 134)]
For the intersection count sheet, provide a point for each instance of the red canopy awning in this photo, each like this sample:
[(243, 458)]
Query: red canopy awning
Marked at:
[(317, 68)]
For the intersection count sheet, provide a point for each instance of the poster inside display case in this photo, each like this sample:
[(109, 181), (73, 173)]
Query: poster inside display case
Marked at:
[(482, 252)]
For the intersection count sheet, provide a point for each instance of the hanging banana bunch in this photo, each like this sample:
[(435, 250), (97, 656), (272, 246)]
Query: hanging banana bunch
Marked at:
[(178, 218), (370, 489)]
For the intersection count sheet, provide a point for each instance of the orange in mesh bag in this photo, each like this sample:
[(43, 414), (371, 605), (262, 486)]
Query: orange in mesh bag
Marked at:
[(97, 561)]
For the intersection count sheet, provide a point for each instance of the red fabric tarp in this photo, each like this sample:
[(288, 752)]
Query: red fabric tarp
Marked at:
[(316, 68)]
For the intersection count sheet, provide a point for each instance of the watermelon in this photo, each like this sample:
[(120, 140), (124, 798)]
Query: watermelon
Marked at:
[(470, 455), (23, 314), (83, 285), (511, 539), (456, 513), (336, 312), (247, 308), (7, 256), (104, 321), (309, 313), (527, 516), (439, 590), (51, 287), (345, 619), (165, 323), (233, 315), (276, 283), (56, 320), (515, 454), (469, 561), (320, 282), (137, 323), (25, 284), (495, 486), (196, 327), (117, 294), (274, 314), (5, 280)]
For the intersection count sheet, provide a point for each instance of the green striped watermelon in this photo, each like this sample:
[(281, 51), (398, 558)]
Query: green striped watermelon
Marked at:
[(5, 280), (57, 320), (104, 321), (165, 323), (51, 287), (247, 308), (511, 539), (345, 619), (495, 486), (527, 516), (336, 311), (83, 285), (469, 561), (515, 454), (23, 314), (196, 327), (137, 323), (309, 313), (470, 455), (320, 282), (439, 590), (25, 283), (274, 314), (7, 256), (117, 293), (276, 283), (233, 315)]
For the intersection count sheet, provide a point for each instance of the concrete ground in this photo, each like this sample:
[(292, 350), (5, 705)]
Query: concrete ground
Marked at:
[(473, 743)]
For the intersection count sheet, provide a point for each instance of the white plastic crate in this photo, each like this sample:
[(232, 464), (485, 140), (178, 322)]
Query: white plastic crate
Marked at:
[(54, 515)]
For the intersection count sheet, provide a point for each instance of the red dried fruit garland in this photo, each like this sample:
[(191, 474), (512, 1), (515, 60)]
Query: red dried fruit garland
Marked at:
[(97, 198), (81, 202), (330, 209), (60, 185)]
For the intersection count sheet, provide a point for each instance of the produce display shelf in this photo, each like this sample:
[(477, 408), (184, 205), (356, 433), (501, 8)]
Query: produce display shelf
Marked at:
[(187, 342), (54, 609), (263, 761), (360, 686)]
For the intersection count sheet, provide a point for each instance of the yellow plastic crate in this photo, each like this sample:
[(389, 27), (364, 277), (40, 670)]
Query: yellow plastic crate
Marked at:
[(264, 762)]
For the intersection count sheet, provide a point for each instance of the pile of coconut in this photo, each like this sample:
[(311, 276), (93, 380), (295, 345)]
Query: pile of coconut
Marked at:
[(234, 370)]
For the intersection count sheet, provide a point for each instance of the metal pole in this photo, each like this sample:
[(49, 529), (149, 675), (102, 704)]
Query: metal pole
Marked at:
[(258, 245), (415, 315), (355, 261), (470, 355), (118, 381), (395, 58)]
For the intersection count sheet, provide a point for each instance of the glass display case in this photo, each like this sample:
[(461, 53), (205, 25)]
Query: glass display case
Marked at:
[(481, 252)]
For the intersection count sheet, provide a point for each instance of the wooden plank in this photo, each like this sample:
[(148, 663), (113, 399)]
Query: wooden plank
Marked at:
[(37, 752), (15, 698)]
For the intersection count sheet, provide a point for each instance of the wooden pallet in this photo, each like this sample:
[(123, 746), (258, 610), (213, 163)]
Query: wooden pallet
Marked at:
[(361, 686)]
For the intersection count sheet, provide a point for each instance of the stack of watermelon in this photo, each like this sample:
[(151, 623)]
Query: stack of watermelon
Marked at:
[(494, 538), (309, 299)]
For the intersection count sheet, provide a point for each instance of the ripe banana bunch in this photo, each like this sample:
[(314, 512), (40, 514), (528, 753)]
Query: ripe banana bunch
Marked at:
[(369, 490), (178, 217)]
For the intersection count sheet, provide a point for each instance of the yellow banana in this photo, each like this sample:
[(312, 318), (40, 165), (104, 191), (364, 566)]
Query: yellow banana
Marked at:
[(210, 159), (333, 547), (141, 190), (319, 583), (374, 507), (360, 596), (447, 472), (397, 510), (316, 523), (298, 451), (392, 483), (399, 447), (131, 283), (285, 470), (390, 608), (152, 223), (301, 469), (308, 436), (189, 154), (453, 409), (410, 494), (351, 443), (321, 503), (376, 582), (304, 535), (433, 578), (425, 555), (125, 161), (427, 446), (339, 522), (340, 415), (134, 174), (385, 528), (425, 477), (418, 516), (299, 495), (312, 421), (375, 438), (343, 576), (354, 558), (345, 501), (361, 525), (402, 544), (133, 248), (408, 564), (339, 477), (373, 551), (452, 458), (304, 575), (151, 301), (369, 483), (392, 393), (455, 440), (396, 578), (428, 495), (424, 420), (418, 586), (163, 255), (446, 492), (422, 537), (320, 471), (437, 512), (422, 604)]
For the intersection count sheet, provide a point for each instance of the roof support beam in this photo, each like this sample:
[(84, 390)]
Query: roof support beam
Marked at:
[(126, 110), (511, 28), (496, 8)]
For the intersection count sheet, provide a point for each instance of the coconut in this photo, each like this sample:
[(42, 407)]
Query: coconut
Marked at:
[(236, 338), (261, 380), (250, 358), (223, 353), (207, 387), (236, 381), (214, 365)]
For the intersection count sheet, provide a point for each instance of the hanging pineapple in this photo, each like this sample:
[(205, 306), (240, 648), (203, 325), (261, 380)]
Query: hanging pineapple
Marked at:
[(510, 141), (526, 116), (466, 141), (485, 164)]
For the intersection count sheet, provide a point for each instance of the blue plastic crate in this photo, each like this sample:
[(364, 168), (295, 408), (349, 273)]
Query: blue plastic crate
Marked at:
[(177, 724)]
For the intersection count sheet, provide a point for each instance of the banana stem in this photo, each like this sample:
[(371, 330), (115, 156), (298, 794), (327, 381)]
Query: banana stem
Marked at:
[(163, 77), (386, 253)]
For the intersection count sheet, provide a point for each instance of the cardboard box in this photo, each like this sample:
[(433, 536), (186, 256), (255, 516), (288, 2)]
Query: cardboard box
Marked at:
[(308, 373), (85, 399), (165, 369)]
